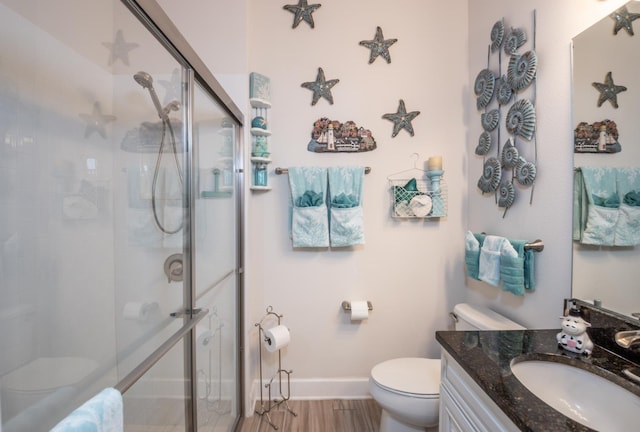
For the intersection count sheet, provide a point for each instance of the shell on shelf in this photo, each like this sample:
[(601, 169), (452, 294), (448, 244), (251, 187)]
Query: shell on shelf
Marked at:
[(506, 194), (525, 172), (484, 87), (503, 91), (497, 35), (490, 120), (522, 70), (521, 119), (484, 144), (514, 40), (491, 175), (509, 154)]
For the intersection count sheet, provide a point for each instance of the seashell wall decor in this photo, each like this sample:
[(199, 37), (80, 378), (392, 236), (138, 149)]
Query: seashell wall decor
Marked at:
[(506, 97)]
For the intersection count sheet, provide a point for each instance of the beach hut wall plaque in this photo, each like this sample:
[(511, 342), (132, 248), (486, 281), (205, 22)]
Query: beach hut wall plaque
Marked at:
[(333, 136)]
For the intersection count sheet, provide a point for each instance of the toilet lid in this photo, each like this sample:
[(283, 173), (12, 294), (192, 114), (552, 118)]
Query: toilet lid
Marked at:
[(419, 376)]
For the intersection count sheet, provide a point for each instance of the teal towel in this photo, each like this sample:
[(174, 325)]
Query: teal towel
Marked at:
[(310, 199), (632, 198), (346, 227), (600, 222), (473, 243), (627, 232), (101, 413), (580, 203), (309, 225), (610, 201), (471, 254), (517, 268)]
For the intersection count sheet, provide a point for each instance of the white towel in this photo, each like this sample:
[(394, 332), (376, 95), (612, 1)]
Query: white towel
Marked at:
[(489, 270)]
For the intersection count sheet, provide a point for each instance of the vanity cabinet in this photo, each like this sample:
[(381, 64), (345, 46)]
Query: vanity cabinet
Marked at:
[(464, 406)]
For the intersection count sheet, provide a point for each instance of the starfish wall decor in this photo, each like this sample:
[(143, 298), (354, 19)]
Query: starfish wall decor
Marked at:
[(624, 20), (608, 91), (302, 11), (119, 49), (379, 46), (401, 119), (96, 121), (321, 87)]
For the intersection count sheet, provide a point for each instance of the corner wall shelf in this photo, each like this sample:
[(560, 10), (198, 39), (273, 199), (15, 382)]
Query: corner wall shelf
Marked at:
[(259, 95)]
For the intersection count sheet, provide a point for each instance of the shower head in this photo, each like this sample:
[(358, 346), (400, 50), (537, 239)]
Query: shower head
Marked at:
[(144, 79)]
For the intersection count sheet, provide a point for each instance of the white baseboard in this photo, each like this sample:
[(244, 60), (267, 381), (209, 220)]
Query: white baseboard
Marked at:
[(317, 389)]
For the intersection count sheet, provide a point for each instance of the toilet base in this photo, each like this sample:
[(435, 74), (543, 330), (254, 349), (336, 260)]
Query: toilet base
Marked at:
[(390, 424)]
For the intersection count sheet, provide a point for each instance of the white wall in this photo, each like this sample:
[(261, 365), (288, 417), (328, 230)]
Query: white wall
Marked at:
[(549, 217), (411, 271)]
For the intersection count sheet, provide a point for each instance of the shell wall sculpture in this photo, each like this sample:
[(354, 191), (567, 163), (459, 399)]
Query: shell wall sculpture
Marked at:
[(506, 194), (491, 175), (503, 91), (484, 88), (522, 70), (509, 155), (514, 40), (484, 144), (497, 35), (521, 119), (525, 172), (490, 120)]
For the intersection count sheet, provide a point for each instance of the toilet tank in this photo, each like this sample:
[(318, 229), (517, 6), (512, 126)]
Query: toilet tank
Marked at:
[(476, 317)]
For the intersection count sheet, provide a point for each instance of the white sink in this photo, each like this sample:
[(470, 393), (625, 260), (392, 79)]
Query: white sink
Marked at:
[(585, 397)]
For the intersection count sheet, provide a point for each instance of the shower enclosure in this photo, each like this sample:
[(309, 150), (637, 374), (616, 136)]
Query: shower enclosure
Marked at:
[(120, 210)]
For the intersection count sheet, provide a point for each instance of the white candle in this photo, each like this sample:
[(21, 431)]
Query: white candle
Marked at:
[(435, 163)]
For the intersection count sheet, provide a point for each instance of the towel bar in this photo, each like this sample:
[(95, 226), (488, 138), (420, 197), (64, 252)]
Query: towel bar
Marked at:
[(537, 245), (279, 170)]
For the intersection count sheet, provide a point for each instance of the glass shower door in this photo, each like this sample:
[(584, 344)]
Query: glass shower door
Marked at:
[(100, 213), (215, 224)]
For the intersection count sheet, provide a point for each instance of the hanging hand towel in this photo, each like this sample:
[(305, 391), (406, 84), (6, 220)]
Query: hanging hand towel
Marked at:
[(309, 225), (599, 188), (472, 244), (101, 413), (512, 267), (346, 226), (627, 232), (489, 270)]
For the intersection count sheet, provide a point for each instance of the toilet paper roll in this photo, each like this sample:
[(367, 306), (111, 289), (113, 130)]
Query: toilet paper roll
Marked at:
[(276, 338), (204, 338), (139, 311), (359, 310)]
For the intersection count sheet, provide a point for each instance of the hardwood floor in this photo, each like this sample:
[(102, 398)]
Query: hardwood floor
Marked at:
[(335, 415)]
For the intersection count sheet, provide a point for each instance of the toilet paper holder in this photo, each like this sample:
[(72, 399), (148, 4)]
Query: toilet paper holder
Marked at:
[(346, 306)]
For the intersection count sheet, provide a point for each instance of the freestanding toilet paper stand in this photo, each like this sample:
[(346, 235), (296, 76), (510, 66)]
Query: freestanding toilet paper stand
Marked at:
[(272, 403)]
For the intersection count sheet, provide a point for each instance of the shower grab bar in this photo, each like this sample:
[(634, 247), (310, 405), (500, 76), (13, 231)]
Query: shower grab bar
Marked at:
[(279, 170), (132, 377)]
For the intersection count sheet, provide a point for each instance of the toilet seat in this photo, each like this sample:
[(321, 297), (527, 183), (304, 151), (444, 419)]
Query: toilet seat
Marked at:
[(409, 376)]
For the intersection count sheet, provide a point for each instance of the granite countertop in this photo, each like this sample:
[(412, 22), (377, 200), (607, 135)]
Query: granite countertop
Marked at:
[(486, 356)]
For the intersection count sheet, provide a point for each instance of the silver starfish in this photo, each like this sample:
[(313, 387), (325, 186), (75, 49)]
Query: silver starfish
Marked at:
[(96, 121), (302, 11), (624, 20), (379, 46), (401, 119), (608, 91), (321, 87), (120, 49)]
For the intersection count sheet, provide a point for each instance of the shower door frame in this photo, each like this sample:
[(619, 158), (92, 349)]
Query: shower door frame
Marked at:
[(153, 17)]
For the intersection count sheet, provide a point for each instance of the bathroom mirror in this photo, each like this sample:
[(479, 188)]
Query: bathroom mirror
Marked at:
[(609, 274)]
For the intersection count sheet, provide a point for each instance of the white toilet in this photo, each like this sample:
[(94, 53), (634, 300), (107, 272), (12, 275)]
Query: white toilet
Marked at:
[(408, 389)]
